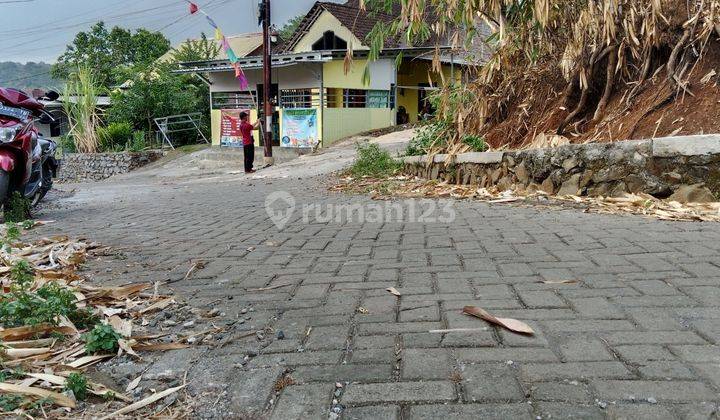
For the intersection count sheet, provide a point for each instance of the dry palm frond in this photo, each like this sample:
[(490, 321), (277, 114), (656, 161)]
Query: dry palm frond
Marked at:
[(597, 46)]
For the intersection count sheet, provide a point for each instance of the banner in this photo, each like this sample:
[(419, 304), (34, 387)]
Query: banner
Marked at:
[(299, 128), (230, 135)]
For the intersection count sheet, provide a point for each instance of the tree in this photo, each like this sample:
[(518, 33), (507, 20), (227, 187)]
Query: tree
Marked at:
[(287, 31), (157, 94), (196, 50), (111, 53)]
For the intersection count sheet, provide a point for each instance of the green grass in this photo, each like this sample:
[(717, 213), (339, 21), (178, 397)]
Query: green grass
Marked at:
[(476, 143), (371, 160), (17, 209)]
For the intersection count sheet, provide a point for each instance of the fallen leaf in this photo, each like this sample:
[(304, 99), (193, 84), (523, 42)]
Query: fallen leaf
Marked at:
[(127, 347), (144, 402), (14, 354), (393, 291), (509, 323), (86, 360), (57, 398), (505, 200), (121, 326), (133, 384), (157, 306), (559, 281), (708, 76), (27, 344), (21, 333)]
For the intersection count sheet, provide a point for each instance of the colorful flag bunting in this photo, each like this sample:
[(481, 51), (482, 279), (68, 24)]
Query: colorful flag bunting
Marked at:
[(240, 75), (211, 22), (232, 57)]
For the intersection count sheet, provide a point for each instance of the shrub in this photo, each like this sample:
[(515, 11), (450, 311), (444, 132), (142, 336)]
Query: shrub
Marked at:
[(102, 338), (137, 143), (476, 143), (67, 144), (115, 136), (428, 136), (77, 383), (371, 160)]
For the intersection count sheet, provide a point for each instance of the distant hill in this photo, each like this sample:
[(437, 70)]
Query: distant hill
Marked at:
[(27, 76)]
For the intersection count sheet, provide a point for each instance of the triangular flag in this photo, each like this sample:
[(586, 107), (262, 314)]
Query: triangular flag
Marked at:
[(243, 82), (218, 34), (211, 22), (231, 56), (225, 44), (193, 8), (240, 75)]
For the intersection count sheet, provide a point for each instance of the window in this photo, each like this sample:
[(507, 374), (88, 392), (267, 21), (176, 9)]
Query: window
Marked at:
[(354, 98), (378, 99), (232, 100), (299, 98), (329, 41)]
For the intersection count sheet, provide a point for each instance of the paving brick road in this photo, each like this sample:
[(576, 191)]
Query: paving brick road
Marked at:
[(636, 337)]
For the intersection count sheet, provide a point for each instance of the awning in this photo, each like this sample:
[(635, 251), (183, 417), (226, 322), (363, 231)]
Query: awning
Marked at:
[(285, 60)]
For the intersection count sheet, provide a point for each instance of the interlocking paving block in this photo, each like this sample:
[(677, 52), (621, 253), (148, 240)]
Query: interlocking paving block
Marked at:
[(428, 391)]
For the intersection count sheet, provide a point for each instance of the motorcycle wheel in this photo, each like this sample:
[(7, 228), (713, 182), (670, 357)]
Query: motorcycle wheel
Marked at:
[(4, 187), (44, 188)]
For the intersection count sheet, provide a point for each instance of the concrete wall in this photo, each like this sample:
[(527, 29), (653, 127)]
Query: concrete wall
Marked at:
[(659, 167), (343, 122), (79, 167)]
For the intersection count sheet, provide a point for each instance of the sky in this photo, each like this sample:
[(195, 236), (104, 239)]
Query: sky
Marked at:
[(39, 30)]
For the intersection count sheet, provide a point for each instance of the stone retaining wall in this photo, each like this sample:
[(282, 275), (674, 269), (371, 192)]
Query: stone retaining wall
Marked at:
[(79, 167), (686, 167)]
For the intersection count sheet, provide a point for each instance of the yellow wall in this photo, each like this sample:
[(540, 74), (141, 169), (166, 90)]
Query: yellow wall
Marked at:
[(343, 122), (334, 75), (413, 73), (382, 74), (327, 22), (215, 120)]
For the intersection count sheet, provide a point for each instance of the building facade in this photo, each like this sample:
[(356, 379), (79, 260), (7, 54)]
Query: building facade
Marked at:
[(319, 95)]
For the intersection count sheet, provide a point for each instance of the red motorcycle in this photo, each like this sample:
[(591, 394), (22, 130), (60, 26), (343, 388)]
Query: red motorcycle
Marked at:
[(24, 163)]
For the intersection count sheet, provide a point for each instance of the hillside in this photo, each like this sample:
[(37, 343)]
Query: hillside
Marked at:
[(27, 76)]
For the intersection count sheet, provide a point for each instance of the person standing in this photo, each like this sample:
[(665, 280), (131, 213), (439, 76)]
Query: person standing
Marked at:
[(246, 130)]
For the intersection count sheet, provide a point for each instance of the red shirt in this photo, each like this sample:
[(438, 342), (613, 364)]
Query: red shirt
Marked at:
[(246, 130)]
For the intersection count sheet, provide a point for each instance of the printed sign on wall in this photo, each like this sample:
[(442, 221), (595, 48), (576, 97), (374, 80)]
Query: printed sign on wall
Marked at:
[(299, 128), (230, 134)]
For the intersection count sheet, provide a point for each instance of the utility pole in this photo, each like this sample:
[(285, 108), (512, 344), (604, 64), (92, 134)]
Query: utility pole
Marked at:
[(267, 80)]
